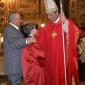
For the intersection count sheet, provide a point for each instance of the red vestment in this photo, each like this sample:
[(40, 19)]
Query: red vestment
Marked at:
[(53, 49), (32, 71), (72, 54)]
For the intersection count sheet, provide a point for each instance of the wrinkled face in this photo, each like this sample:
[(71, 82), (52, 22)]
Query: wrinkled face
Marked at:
[(53, 16)]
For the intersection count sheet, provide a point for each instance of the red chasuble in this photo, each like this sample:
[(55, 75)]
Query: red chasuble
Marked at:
[(51, 41)]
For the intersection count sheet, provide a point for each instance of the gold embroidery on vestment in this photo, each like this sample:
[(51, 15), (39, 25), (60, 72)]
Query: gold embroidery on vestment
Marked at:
[(54, 34)]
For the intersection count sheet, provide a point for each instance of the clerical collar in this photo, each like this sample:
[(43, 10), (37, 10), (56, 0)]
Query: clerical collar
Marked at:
[(14, 26), (57, 20)]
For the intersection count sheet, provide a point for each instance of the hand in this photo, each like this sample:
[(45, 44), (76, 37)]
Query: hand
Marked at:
[(31, 40)]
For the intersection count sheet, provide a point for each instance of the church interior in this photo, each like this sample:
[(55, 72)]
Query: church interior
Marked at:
[(34, 11)]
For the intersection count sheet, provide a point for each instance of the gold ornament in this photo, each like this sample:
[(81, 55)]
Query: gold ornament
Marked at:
[(54, 34)]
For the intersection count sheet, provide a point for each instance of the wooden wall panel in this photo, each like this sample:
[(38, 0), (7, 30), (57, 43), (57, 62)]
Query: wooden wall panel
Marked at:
[(31, 10), (81, 13), (77, 12), (73, 10)]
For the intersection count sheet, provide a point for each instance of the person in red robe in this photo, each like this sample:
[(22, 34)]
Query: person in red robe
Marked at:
[(32, 59), (58, 41)]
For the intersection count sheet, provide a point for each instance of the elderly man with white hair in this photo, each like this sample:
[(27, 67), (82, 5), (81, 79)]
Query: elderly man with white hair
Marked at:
[(13, 42)]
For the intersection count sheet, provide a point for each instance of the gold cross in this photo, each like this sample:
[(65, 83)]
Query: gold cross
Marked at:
[(54, 34)]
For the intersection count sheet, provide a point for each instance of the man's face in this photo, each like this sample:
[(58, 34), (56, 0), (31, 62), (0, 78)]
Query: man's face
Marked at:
[(53, 16), (17, 20)]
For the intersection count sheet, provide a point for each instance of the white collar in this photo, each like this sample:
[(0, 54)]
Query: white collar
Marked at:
[(14, 26)]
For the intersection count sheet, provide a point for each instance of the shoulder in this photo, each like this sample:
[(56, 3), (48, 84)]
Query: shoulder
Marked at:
[(9, 28), (73, 26), (71, 22)]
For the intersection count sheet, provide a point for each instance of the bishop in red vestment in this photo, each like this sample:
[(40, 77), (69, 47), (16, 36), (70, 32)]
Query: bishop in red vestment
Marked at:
[(61, 65), (51, 42)]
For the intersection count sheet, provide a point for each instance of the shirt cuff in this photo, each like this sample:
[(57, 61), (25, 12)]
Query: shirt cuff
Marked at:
[(26, 41)]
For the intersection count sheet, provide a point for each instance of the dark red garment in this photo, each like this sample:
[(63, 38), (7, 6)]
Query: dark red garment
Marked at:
[(53, 49), (32, 69), (72, 63)]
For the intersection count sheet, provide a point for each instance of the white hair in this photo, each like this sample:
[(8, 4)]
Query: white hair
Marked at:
[(11, 17)]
